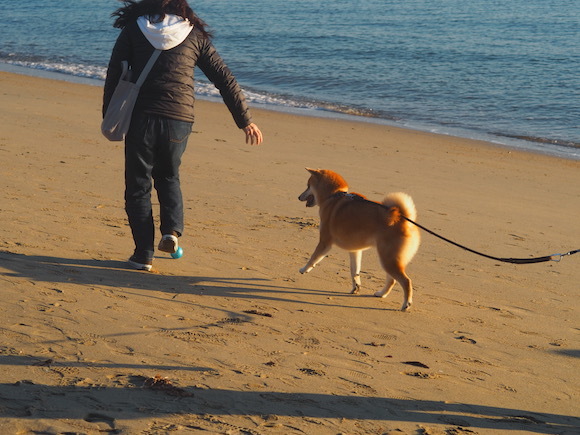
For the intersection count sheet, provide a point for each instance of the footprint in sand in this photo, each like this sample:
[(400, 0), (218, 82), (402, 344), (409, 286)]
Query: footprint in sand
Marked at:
[(312, 372), (465, 339), (100, 418)]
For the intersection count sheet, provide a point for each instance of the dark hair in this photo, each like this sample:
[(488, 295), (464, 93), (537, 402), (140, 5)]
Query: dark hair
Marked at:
[(158, 8)]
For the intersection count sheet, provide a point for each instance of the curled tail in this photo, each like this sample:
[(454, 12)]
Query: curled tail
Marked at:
[(401, 204)]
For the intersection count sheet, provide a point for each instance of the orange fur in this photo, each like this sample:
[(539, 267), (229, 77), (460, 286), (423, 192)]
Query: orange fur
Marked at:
[(353, 223)]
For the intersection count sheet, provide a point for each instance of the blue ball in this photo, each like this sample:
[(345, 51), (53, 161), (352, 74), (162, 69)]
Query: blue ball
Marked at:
[(178, 253)]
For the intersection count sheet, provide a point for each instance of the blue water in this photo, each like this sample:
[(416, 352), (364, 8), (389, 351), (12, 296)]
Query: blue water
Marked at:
[(505, 71)]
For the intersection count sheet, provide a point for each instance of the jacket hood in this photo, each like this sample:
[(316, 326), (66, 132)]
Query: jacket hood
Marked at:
[(166, 34)]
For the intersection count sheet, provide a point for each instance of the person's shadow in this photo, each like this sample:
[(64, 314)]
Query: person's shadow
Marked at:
[(117, 274)]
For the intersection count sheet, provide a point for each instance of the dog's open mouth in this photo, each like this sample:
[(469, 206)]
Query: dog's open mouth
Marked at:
[(308, 197)]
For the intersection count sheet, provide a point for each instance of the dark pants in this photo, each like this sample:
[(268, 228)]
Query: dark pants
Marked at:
[(153, 149)]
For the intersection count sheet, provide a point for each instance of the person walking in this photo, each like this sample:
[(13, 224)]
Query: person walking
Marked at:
[(164, 112)]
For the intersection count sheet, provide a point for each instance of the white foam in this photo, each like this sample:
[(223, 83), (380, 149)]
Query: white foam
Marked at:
[(95, 75)]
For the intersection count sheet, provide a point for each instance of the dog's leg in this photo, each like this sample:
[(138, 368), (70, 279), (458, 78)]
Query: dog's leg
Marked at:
[(319, 253), (355, 264), (397, 270), (405, 282), (387, 288)]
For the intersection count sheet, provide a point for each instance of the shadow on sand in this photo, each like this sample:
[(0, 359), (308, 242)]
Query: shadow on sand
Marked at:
[(116, 274), (131, 399)]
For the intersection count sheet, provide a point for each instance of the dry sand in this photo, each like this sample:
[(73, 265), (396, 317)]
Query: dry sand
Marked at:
[(231, 338)]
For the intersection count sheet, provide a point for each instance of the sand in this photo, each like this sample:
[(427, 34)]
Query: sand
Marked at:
[(231, 339)]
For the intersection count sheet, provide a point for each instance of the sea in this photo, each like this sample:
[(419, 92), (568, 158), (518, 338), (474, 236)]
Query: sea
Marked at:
[(504, 71)]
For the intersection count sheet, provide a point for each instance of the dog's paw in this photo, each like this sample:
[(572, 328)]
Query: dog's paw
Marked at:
[(380, 294), (406, 306), (305, 269), (355, 290)]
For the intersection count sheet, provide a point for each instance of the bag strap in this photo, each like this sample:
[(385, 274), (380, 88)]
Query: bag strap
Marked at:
[(124, 70), (148, 67)]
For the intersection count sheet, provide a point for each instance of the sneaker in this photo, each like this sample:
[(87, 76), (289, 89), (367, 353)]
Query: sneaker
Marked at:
[(168, 243), (139, 264)]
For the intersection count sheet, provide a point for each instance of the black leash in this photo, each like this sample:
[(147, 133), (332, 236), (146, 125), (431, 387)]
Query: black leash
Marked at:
[(553, 257)]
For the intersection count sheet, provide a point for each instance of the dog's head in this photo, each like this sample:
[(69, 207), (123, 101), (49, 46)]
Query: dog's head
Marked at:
[(322, 184)]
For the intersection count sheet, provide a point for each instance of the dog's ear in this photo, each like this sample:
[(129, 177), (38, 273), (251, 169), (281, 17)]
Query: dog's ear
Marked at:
[(313, 171)]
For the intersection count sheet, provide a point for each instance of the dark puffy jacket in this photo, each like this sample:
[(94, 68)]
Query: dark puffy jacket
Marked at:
[(169, 88)]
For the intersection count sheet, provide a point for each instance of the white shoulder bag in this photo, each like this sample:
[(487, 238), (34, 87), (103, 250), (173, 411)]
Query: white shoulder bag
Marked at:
[(117, 119)]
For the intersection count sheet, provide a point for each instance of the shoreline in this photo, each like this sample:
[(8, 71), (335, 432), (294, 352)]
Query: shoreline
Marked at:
[(514, 143), (231, 337)]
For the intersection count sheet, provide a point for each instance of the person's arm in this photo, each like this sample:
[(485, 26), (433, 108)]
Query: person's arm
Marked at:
[(219, 74)]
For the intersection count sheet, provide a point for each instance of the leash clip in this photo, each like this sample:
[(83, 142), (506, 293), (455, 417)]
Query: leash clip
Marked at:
[(557, 260)]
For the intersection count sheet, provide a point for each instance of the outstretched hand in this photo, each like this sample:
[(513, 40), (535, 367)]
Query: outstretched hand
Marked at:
[(253, 134)]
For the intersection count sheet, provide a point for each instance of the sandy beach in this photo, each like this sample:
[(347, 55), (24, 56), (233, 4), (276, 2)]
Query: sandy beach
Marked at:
[(231, 339)]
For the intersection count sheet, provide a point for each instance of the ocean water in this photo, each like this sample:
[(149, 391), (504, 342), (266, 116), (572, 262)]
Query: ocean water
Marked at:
[(503, 71)]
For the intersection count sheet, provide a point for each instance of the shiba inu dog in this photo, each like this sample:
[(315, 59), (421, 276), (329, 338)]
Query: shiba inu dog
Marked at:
[(354, 223)]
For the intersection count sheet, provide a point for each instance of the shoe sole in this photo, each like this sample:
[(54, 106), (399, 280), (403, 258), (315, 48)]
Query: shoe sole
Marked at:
[(140, 266), (168, 245)]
